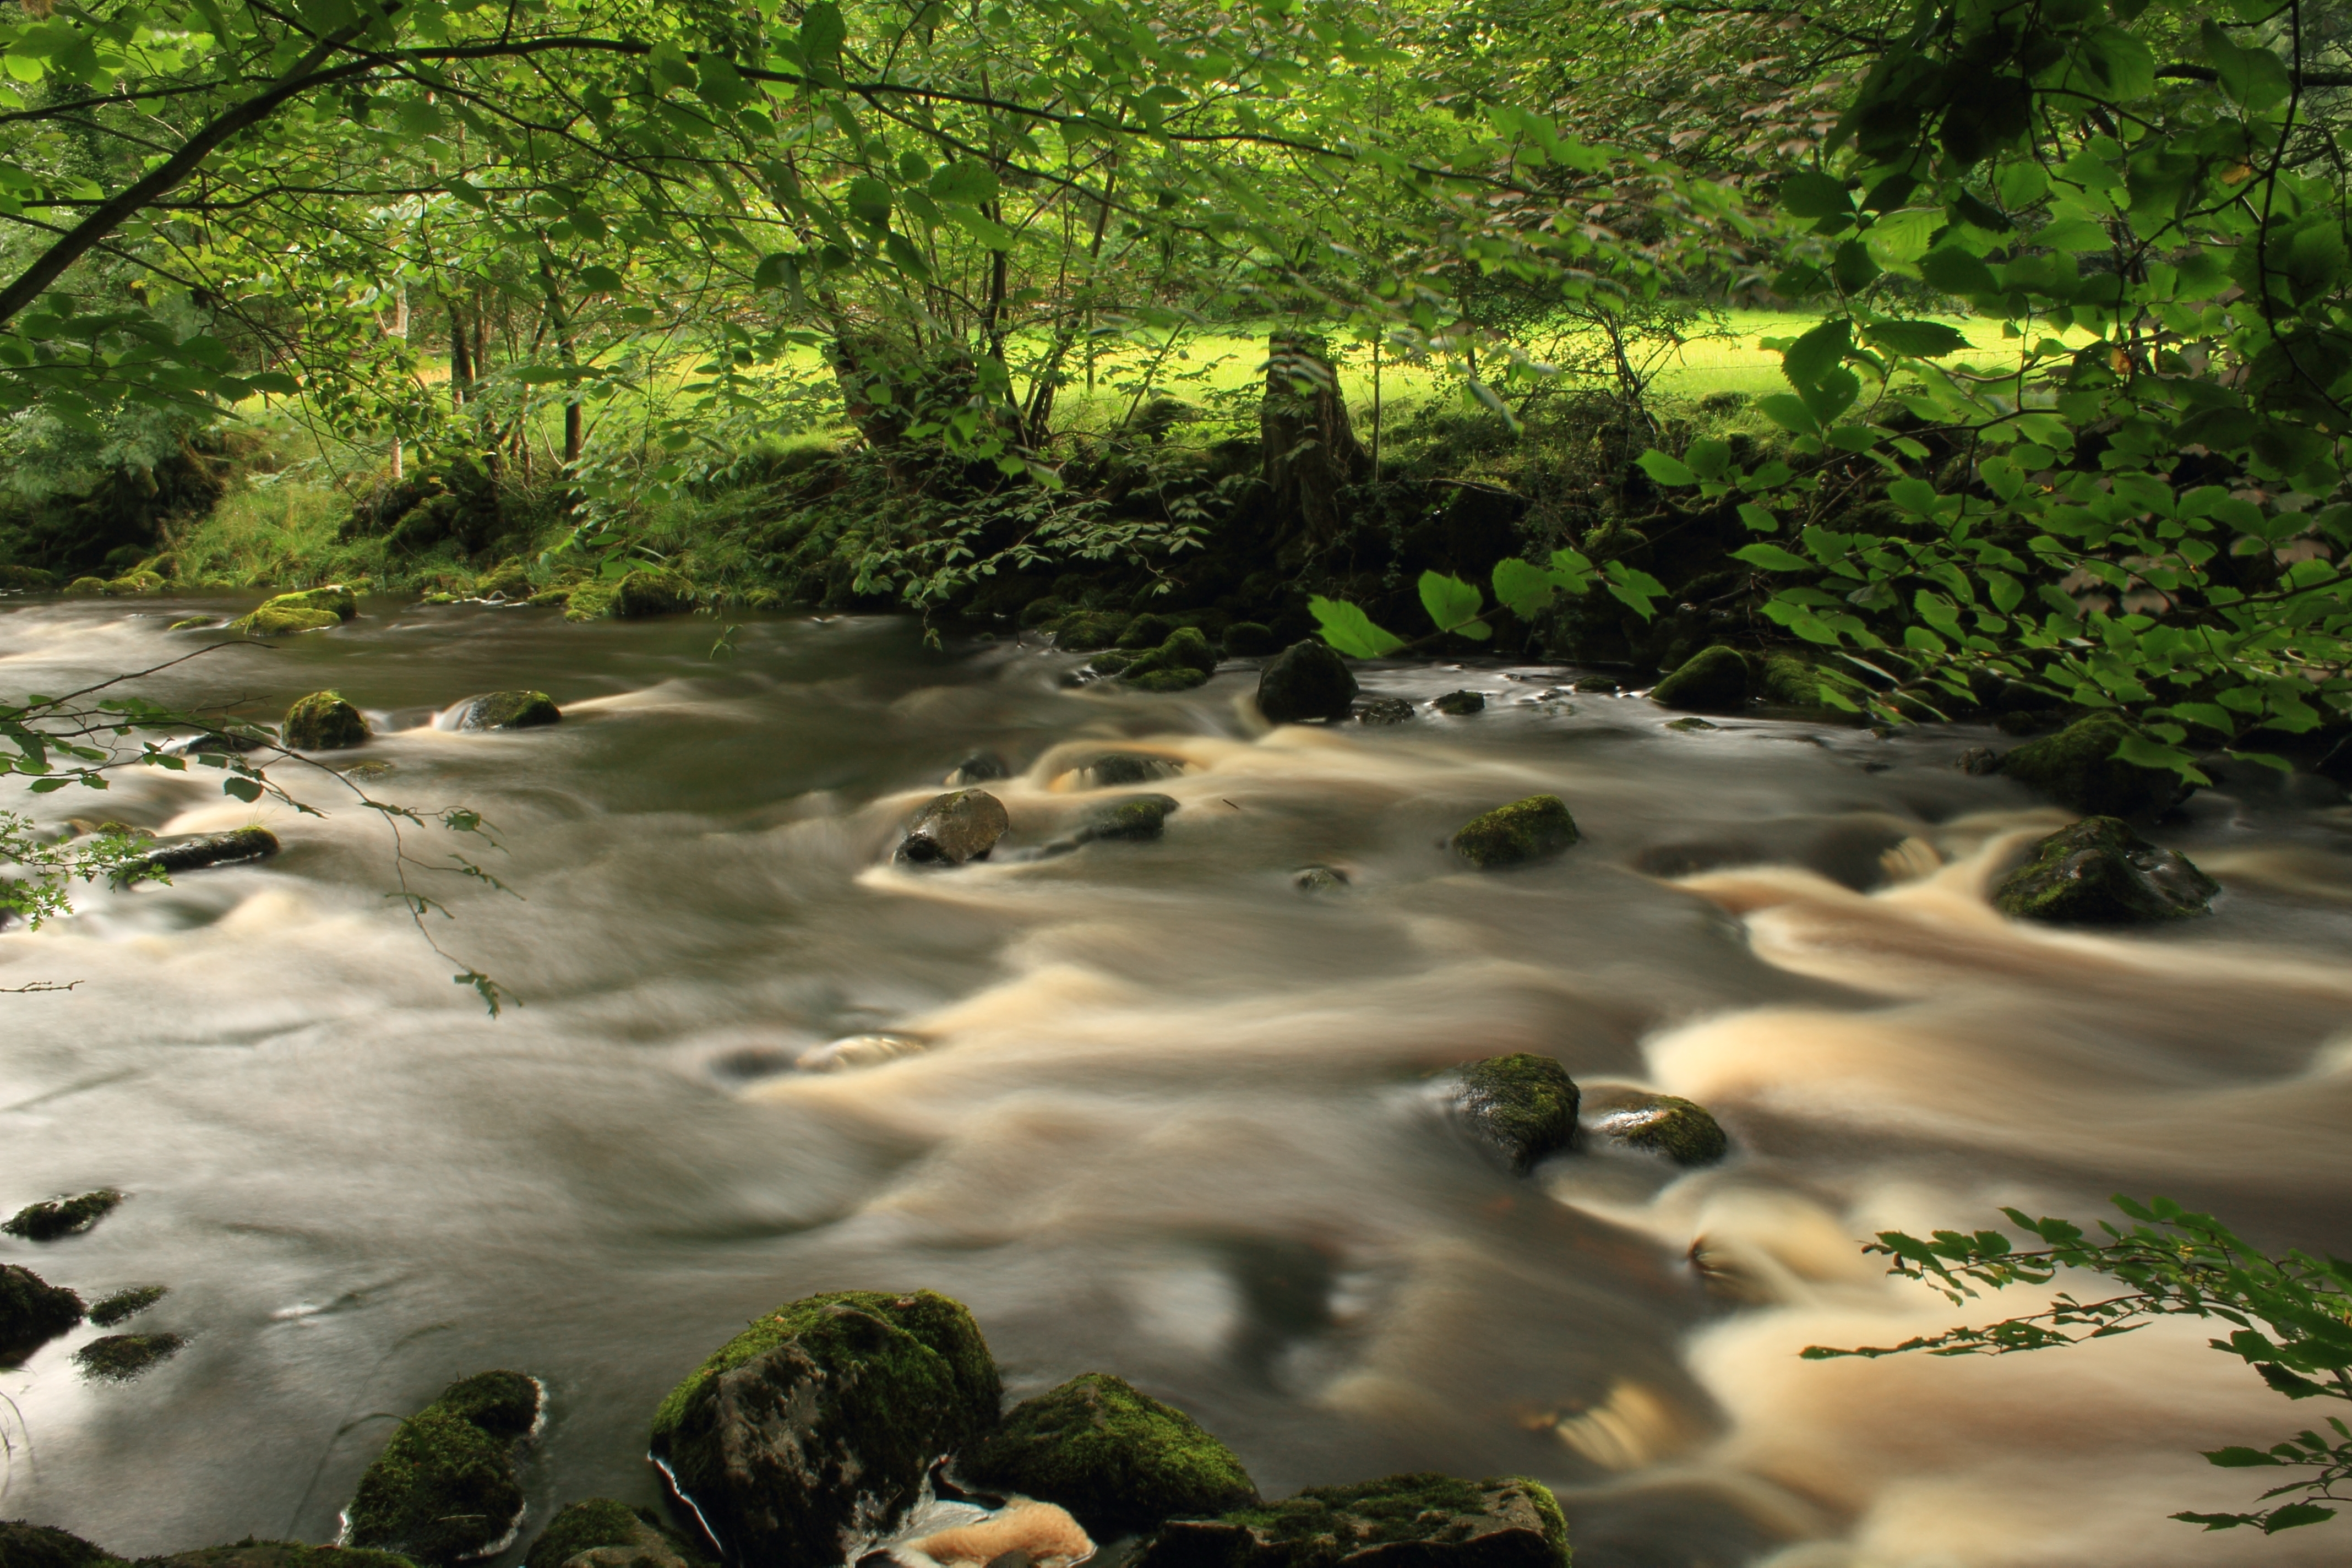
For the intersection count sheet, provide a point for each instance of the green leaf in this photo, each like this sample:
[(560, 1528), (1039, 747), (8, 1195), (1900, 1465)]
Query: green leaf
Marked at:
[(1525, 590), (1957, 271), (1759, 519), (1708, 458), (1812, 195), (1809, 360), (1347, 629), (276, 381), (1920, 339), (245, 789), (970, 181), (1771, 558), (822, 32), (1451, 602), (2295, 1514), (1665, 470), (869, 201)]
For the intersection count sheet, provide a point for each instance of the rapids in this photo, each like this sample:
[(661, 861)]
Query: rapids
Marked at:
[(1149, 1108)]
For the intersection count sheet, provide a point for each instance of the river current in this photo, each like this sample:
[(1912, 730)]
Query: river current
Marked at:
[(1155, 1110)]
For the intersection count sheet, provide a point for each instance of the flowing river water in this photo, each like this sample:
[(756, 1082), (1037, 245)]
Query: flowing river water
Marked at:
[(1169, 1117)]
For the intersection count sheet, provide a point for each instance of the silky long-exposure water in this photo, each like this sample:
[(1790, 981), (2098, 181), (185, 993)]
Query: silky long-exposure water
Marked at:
[(1157, 1112)]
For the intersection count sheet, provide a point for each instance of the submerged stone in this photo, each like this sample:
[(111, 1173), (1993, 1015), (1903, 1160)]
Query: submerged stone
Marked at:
[(825, 1418), (1598, 683), (981, 767), (324, 722), (32, 1311), (508, 711), (1137, 816), (1384, 710), (954, 828), (119, 1358), (447, 1485), (1115, 1458), (1306, 680), (2078, 768), (1668, 1125), (1523, 1104), (194, 851), (1400, 1521), (123, 1305), (602, 1533), (1460, 704), (651, 591), (1712, 681), (62, 1216), (1113, 769), (1526, 830), (1318, 880), (1691, 724), (2100, 872)]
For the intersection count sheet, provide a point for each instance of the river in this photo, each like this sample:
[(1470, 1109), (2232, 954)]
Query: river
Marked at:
[(1161, 1113)]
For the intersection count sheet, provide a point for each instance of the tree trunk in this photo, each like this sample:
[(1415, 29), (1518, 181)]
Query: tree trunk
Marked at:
[(461, 363), (1310, 449)]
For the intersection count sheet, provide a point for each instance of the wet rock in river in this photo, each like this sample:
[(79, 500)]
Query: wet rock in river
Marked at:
[(954, 828), (1691, 724), (27, 1546), (1318, 880), (1384, 710), (1712, 681), (62, 1216), (1400, 1521), (194, 851), (1526, 830), (125, 1305), (324, 722), (1145, 632), (1090, 631), (1137, 816), (119, 1358), (1523, 1104), (1114, 769), (2100, 872), (1115, 1458), (1600, 683), (272, 620), (274, 1554), (2078, 768), (602, 1533), (447, 1486), (825, 1418), (32, 1311), (1978, 761), (653, 591), (505, 710), (1681, 1130), (1460, 704), (1182, 661), (981, 767), (1307, 681)]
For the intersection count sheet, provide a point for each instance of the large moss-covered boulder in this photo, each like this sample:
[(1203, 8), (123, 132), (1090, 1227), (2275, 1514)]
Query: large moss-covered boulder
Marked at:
[(27, 1545), (2078, 768), (1090, 631), (32, 1311), (602, 1533), (324, 722), (252, 1554), (1307, 681), (1181, 662), (62, 1216), (1712, 681), (507, 711), (27, 579), (2100, 872), (1117, 1458), (1144, 633), (1681, 1130), (823, 1416), (1400, 1521), (272, 620), (1535, 828), (1523, 1104), (652, 591), (447, 1485), (952, 828)]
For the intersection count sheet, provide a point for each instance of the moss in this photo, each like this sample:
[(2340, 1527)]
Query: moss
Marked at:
[(32, 1310), (1681, 1130), (27, 1546), (592, 601), (2078, 768), (63, 1216), (191, 623), (1250, 640), (1044, 612), (547, 598), (510, 710), (125, 1305), (1145, 632), (1090, 631), (252, 1554), (336, 598), (119, 1358), (510, 579), (1712, 681), (1790, 682), (1526, 830), (602, 1523), (27, 579), (2099, 871), (653, 591), (324, 722), (275, 621), (1522, 1103), (1182, 660), (1306, 680), (86, 587), (447, 1485), (1517, 1520), (1112, 1455), (133, 584)]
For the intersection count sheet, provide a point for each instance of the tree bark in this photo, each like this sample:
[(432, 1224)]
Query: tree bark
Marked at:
[(1311, 449)]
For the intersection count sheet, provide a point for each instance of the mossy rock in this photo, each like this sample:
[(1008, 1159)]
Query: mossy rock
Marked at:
[(119, 1358), (951, 829), (824, 1416), (86, 588), (1790, 682), (125, 1305), (547, 598), (334, 597), (32, 1311), (1385, 711), (324, 722), (1535, 828), (1090, 631), (63, 1217), (27, 579), (1134, 817), (1668, 1125), (592, 601), (611, 1536), (1523, 1104), (1250, 640), (1044, 612), (2100, 872), (193, 623), (2078, 768), (1460, 704), (1306, 680), (1182, 660), (1117, 1458), (509, 710), (252, 1554), (447, 1485), (508, 579), (652, 591), (273, 620), (1145, 632), (1712, 681), (27, 1545), (1400, 1521), (133, 584)]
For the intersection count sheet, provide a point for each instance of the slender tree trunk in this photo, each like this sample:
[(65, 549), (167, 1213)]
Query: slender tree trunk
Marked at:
[(568, 352), (461, 363), (400, 331)]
